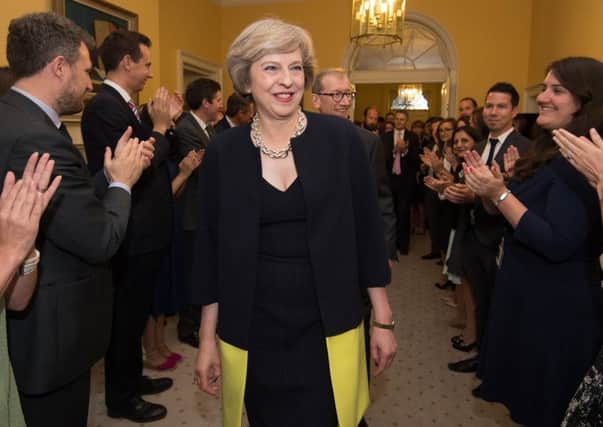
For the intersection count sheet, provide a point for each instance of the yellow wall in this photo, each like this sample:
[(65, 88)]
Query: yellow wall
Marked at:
[(192, 26), (560, 29)]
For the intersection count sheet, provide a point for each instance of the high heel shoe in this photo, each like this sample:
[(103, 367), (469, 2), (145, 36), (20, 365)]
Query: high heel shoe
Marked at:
[(461, 346), (154, 360)]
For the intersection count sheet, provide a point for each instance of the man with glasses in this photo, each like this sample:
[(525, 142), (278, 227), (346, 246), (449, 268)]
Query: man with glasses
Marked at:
[(332, 94)]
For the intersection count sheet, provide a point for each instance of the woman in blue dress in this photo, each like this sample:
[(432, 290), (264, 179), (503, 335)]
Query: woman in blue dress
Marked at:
[(544, 326)]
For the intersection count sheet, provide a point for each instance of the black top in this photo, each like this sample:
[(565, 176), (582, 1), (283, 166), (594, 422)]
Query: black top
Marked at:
[(344, 226), (283, 222)]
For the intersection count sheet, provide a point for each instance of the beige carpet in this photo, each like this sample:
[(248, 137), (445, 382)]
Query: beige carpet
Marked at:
[(418, 390)]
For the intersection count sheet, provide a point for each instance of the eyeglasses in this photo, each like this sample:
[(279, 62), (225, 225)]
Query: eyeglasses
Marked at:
[(338, 96)]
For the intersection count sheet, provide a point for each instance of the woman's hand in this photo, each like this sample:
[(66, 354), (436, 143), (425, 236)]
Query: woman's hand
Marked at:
[(484, 182), (208, 368), (191, 162), (437, 185), (510, 157), (584, 155), (459, 194), (22, 204), (175, 102), (383, 348)]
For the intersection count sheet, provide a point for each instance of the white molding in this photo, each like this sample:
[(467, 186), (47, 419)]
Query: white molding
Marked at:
[(529, 99), (186, 61), (448, 75)]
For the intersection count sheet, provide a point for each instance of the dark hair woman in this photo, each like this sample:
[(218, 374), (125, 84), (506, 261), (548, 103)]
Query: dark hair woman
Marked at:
[(544, 327)]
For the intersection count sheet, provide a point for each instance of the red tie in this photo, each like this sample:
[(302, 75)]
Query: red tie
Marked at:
[(134, 109)]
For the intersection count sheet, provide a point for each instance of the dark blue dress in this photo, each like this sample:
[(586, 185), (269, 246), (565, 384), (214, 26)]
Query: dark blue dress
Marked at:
[(544, 326)]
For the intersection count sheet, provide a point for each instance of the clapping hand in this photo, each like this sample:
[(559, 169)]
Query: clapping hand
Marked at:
[(175, 104), (22, 204), (159, 110), (130, 159), (584, 154), (484, 181), (510, 158), (191, 162), (459, 194)]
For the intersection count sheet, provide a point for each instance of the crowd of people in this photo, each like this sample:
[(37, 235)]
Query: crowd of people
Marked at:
[(271, 232)]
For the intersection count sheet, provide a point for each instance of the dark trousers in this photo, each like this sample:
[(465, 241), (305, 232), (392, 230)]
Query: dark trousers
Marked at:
[(135, 279), (190, 314), (402, 201), (432, 213), (66, 406), (479, 265)]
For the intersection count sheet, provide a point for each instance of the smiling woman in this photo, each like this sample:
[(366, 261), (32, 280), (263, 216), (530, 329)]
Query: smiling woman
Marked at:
[(288, 259), (546, 307)]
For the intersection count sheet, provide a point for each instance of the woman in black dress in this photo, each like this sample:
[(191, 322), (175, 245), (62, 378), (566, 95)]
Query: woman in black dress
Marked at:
[(544, 326), (290, 236)]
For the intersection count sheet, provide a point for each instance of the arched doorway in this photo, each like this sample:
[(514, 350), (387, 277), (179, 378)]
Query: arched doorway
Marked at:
[(427, 55)]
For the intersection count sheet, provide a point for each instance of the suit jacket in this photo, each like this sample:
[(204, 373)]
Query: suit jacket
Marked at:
[(222, 125), (345, 228), (488, 228), (190, 136), (407, 181), (374, 149), (104, 120), (66, 327)]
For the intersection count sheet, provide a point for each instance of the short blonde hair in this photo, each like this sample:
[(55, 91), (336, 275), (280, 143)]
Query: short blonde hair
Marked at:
[(265, 37)]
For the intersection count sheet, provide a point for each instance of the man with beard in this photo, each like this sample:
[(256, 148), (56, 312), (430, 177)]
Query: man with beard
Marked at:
[(371, 119), (65, 330)]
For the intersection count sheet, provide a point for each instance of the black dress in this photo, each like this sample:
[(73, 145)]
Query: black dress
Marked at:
[(288, 381)]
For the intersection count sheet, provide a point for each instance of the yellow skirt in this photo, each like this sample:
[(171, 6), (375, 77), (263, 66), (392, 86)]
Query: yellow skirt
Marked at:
[(347, 365)]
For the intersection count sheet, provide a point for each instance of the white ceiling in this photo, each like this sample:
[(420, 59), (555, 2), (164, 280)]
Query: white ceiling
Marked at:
[(250, 2)]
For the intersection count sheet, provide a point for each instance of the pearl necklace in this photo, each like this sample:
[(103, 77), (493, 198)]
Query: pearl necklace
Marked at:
[(256, 136)]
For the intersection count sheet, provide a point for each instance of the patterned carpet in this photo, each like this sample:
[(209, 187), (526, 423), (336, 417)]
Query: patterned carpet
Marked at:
[(418, 390)]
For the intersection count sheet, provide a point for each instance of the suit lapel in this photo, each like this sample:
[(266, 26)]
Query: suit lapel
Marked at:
[(25, 104)]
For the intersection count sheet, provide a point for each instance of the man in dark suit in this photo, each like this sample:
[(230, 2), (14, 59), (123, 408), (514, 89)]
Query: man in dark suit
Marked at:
[(371, 119), (239, 111), (402, 164), (194, 131), (485, 231), (332, 94), (126, 56), (66, 328)]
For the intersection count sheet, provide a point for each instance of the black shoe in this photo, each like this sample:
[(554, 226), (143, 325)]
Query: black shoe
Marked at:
[(139, 411), (477, 392), (461, 346), (465, 366), (362, 423), (446, 285), (456, 338), (431, 255), (191, 339), (154, 385)]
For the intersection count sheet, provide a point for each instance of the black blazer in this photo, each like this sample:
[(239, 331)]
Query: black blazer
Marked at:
[(374, 149), (345, 229), (222, 125), (190, 136), (104, 120), (66, 327), (489, 229)]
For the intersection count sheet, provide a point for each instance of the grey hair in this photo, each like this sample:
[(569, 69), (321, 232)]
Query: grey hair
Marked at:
[(265, 37), (317, 86)]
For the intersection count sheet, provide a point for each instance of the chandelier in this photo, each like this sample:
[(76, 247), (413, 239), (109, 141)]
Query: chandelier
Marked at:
[(377, 22), (410, 97)]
